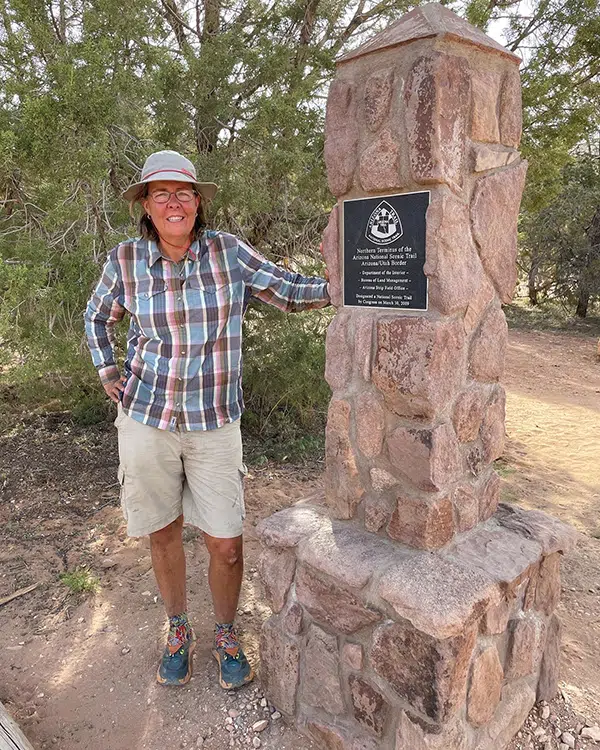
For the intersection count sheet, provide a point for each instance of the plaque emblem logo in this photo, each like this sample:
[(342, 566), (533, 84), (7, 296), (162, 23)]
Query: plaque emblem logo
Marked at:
[(384, 225)]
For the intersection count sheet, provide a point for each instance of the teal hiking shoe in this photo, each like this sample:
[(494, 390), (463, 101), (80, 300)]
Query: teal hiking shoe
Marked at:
[(234, 668), (175, 666)]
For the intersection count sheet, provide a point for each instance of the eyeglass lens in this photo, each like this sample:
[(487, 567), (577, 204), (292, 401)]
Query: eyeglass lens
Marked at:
[(162, 196)]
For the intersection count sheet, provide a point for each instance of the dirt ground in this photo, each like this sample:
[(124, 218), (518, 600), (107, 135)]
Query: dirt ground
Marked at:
[(77, 671), (552, 463)]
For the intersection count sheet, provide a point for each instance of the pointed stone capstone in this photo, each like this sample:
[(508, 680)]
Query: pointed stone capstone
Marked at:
[(428, 21)]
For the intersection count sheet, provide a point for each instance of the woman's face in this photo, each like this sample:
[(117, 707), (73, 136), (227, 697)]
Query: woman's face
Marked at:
[(174, 219)]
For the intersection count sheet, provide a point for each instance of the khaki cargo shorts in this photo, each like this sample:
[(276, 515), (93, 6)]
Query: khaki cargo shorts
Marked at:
[(164, 474)]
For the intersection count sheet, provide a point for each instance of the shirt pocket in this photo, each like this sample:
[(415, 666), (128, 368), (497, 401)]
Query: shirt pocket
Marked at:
[(209, 303), (150, 306)]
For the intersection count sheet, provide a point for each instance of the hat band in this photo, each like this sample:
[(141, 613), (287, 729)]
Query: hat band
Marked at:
[(159, 171)]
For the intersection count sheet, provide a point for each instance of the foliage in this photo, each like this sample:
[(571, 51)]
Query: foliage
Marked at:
[(564, 238), (80, 580), (559, 41), (286, 393), (89, 87)]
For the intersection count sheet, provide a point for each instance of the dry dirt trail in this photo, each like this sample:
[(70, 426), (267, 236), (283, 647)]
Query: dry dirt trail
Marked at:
[(552, 462), (79, 674)]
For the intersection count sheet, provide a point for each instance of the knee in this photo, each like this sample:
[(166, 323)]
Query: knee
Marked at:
[(168, 534), (227, 551)]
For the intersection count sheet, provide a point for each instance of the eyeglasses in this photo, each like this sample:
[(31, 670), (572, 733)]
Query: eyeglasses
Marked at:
[(163, 196)]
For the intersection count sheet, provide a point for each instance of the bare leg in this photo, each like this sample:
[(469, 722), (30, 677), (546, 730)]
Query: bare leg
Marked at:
[(225, 575), (168, 561)]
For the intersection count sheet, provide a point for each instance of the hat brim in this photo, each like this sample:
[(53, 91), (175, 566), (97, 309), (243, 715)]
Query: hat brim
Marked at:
[(135, 192)]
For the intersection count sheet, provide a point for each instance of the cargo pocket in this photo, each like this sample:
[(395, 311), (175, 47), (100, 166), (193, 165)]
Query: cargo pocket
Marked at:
[(121, 478), (120, 416), (243, 470)]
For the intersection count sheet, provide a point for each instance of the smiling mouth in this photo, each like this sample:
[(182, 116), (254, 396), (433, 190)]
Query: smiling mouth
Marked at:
[(173, 219)]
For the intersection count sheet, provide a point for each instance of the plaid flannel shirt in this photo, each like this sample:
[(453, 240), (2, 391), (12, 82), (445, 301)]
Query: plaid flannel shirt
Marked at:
[(184, 347)]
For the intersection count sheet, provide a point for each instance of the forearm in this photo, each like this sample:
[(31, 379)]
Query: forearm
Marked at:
[(288, 291), (295, 293), (100, 340), (104, 309)]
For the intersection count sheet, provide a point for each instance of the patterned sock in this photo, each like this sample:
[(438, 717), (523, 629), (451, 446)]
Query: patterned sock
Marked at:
[(226, 637), (179, 632)]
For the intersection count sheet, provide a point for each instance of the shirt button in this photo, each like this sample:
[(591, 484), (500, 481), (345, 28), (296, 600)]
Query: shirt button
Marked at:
[(178, 406), (182, 351), (180, 379), (182, 325)]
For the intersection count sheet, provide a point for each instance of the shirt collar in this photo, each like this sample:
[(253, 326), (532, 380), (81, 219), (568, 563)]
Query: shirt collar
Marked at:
[(155, 254)]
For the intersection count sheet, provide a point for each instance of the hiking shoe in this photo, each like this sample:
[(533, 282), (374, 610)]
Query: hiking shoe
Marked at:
[(175, 666), (234, 668)]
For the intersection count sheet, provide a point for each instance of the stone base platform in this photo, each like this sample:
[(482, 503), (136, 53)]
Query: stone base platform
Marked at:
[(374, 645)]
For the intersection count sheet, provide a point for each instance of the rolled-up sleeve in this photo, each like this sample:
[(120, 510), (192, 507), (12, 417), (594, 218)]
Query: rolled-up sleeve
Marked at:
[(104, 309), (290, 292)]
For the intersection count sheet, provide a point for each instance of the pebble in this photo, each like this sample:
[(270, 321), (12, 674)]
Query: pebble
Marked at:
[(255, 742), (568, 739), (125, 650), (229, 727), (275, 715), (557, 732), (591, 733), (200, 741), (260, 726), (229, 720), (545, 712), (263, 702), (233, 713), (562, 746)]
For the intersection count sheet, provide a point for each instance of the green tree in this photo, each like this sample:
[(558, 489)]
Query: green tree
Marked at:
[(559, 41), (565, 236), (89, 87)]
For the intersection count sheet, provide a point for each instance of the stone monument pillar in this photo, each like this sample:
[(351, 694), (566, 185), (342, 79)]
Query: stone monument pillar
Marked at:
[(411, 611)]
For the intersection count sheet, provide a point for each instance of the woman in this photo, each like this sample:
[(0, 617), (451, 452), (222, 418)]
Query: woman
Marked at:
[(180, 397)]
